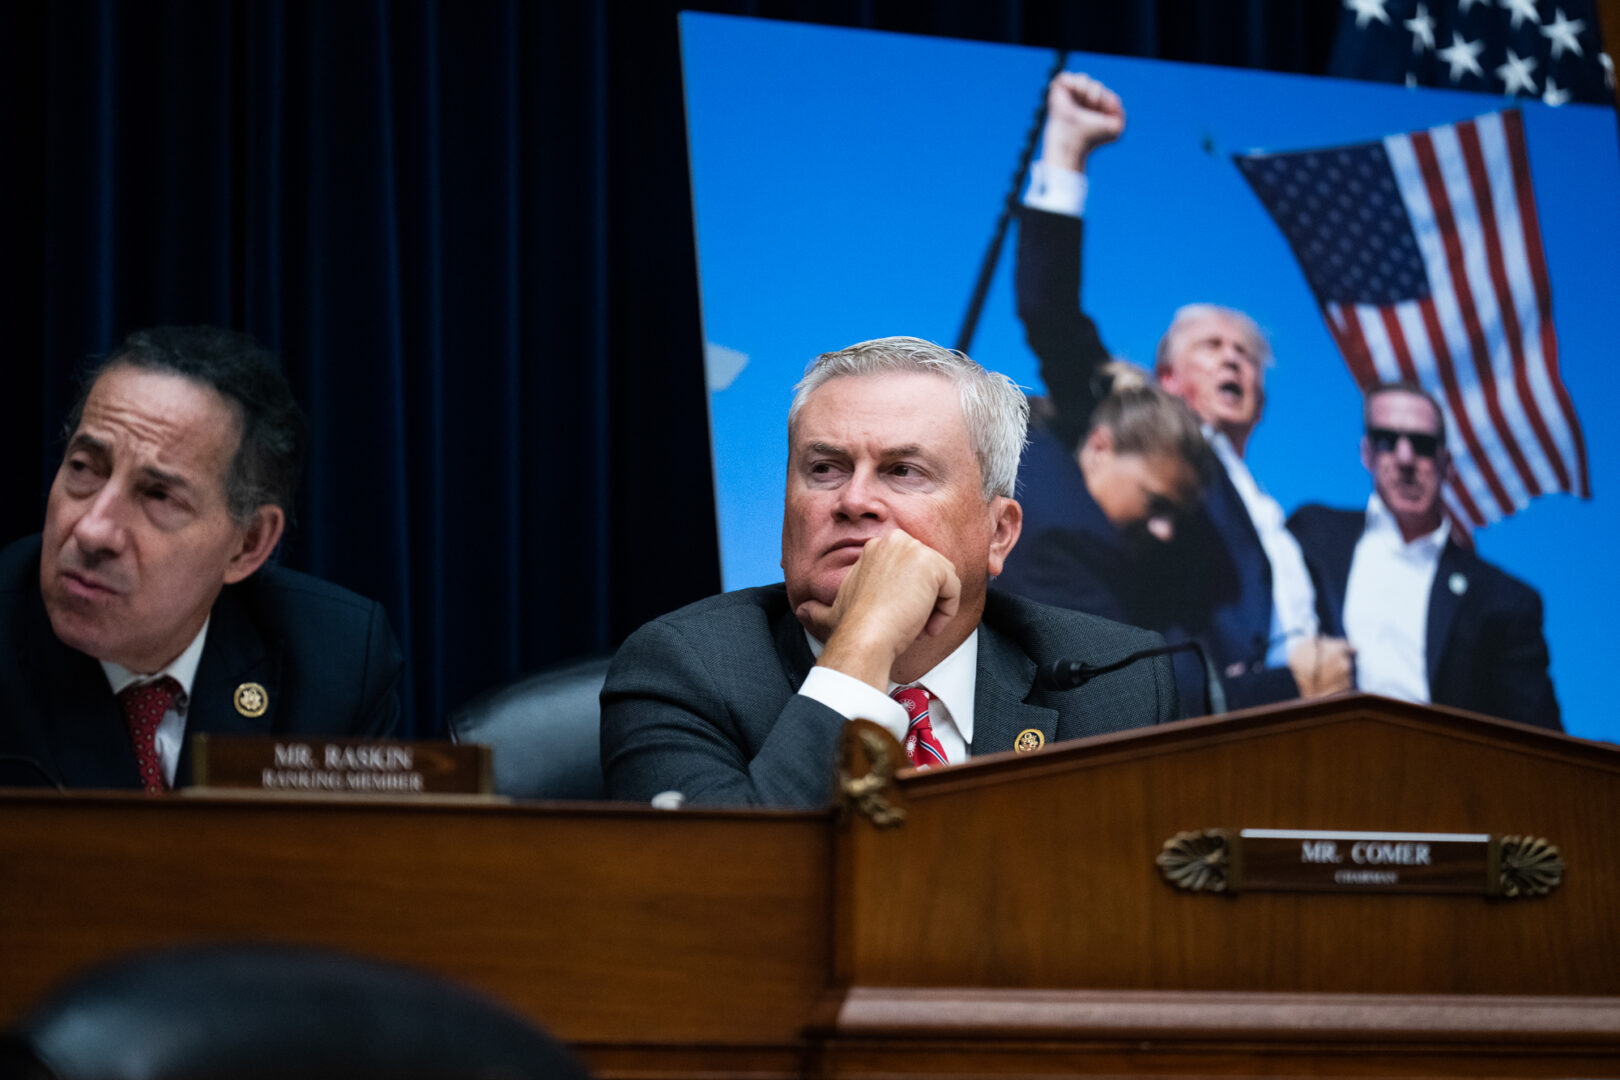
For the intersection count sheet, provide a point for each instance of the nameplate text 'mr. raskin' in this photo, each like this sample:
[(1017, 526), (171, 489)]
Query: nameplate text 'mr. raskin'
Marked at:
[(313, 766)]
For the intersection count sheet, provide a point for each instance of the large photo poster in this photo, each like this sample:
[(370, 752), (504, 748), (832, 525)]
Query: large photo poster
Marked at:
[(847, 185)]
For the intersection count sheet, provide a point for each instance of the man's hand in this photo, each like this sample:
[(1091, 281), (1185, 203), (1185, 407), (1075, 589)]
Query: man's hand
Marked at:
[(1081, 115), (1323, 665), (898, 590)]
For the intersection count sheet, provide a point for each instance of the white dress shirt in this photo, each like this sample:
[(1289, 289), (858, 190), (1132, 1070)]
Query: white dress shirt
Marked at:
[(951, 682), (171, 731), (1293, 597), (1386, 605), (1057, 191)]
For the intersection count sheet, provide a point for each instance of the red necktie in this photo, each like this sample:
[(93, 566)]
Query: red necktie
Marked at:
[(144, 706), (921, 746)]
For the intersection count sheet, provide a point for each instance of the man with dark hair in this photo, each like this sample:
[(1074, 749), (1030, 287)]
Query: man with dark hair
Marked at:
[(1429, 620), (145, 613), (902, 457)]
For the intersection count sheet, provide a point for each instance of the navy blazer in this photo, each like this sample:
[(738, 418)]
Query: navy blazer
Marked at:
[(705, 700), (1484, 647), (1213, 584), (326, 658)]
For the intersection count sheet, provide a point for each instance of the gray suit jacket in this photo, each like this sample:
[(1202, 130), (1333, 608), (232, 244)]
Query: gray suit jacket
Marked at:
[(705, 700)]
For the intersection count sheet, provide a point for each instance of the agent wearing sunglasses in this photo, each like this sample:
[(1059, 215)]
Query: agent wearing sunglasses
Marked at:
[(1429, 620)]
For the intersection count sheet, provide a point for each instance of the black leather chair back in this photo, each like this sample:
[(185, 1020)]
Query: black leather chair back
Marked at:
[(246, 1012), (546, 731)]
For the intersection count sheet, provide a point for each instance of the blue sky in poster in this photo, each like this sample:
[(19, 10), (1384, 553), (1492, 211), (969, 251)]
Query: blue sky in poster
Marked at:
[(846, 183)]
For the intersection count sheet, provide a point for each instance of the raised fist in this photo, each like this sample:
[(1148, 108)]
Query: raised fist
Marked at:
[(1081, 115)]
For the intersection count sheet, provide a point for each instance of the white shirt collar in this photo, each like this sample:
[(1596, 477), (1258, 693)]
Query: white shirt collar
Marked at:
[(1381, 524), (183, 669), (952, 680), (1223, 447)]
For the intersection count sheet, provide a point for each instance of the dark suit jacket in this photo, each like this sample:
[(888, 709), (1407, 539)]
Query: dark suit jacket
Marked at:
[(1213, 584), (705, 700), (326, 658), (1484, 645), (1061, 335)]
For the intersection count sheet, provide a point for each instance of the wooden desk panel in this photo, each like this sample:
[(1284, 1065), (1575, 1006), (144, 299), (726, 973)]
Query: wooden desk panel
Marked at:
[(1047, 866), (605, 924), (1014, 924)]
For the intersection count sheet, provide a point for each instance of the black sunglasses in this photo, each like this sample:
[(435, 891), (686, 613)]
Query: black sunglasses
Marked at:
[(1384, 441)]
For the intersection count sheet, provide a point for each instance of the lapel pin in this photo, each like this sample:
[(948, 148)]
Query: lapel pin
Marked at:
[(1028, 740), (251, 700), (1458, 584)]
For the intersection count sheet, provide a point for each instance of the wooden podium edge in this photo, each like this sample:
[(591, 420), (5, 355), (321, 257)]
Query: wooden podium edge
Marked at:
[(862, 1013), (1179, 736)]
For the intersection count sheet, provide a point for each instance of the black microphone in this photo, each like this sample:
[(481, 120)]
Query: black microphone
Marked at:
[(1068, 674)]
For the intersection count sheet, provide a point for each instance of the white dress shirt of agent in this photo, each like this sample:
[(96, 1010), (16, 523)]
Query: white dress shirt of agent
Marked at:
[(1214, 358)]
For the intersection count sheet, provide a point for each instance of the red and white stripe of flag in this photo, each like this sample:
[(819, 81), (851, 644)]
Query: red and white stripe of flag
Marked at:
[(1483, 341)]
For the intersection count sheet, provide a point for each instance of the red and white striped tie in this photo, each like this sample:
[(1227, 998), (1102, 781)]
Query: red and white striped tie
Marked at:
[(921, 746)]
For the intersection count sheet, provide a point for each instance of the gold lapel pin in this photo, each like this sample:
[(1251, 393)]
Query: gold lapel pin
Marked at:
[(1029, 740), (251, 700)]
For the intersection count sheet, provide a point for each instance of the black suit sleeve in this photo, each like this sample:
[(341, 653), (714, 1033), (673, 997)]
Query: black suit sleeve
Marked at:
[(1512, 660), (379, 710), (1260, 686), (1242, 689), (1063, 337), (683, 715), (1328, 548)]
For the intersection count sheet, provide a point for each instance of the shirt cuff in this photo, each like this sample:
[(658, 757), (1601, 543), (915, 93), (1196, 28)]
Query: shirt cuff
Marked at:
[(851, 698), (1057, 191)]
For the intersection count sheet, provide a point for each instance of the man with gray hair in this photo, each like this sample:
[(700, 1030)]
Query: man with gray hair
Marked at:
[(1234, 578), (902, 458)]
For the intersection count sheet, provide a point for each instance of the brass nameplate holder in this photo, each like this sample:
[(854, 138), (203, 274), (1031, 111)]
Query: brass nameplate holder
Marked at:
[(1297, 860), (307, 766)]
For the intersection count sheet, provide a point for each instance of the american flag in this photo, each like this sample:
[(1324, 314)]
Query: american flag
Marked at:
[(1547, 49), (1425, 254)]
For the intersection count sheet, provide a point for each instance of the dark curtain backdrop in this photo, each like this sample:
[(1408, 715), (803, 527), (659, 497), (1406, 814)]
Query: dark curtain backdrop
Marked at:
[(464, 224)]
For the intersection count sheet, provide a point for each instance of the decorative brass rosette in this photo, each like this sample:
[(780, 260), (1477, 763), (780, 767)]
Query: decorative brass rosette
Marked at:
[(1197, 861), (1529, 866)]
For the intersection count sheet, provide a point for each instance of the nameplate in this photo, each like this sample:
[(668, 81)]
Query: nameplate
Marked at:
[(1289, 859), (303, 766), (1299, 860)]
